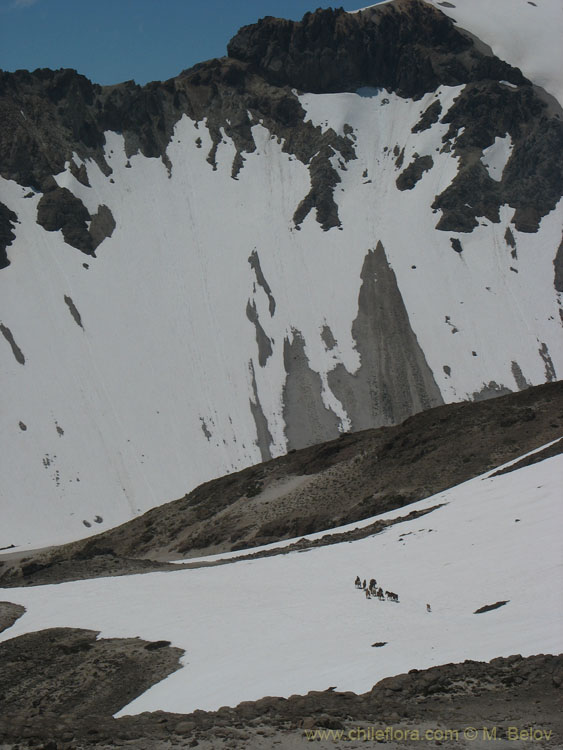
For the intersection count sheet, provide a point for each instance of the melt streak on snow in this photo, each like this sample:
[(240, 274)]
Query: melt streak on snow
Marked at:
[(114, 409), (295, 622)]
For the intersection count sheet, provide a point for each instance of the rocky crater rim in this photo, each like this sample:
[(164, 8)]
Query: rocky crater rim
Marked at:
[(407, 47)]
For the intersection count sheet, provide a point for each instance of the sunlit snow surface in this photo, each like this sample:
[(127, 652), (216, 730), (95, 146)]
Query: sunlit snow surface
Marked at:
[(152, 396), (525, 33), (295, 622), (496, 156)]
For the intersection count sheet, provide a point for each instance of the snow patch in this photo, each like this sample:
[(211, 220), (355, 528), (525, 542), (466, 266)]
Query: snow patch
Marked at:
[(293, 623), (496, 157), (524, 35)]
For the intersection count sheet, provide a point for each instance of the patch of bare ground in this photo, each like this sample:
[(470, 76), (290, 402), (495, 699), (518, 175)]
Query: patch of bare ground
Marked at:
[(9, 614), (355, 477), (335, 537), (61, 687), (551, 450)]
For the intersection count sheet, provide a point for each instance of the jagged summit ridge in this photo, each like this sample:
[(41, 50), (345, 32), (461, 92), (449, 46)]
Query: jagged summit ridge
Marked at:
[(408, 47)]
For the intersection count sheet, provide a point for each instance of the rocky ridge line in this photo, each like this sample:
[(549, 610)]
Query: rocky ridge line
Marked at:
[(314, 489), (406, 46)]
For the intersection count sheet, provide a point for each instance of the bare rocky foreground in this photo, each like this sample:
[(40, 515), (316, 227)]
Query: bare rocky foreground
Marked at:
[(60, 688), (354, 477)]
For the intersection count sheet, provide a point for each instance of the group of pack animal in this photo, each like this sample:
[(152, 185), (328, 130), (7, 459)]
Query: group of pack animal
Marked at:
[(373, 592)]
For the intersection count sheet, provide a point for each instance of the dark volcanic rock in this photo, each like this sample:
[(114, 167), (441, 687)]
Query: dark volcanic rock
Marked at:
[(102, 225), (263, 343), (324, 179), (73, 311), (532, 182), (60, 209), (7, 221), (558, 263), (428, 118), (407, 46), (412, 174), (254, 262), (16, 351), (45, 115), (473, 193)]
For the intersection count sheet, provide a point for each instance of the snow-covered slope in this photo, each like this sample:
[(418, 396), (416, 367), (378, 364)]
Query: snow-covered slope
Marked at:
[(221, 324), (293, 623), (524, 33)]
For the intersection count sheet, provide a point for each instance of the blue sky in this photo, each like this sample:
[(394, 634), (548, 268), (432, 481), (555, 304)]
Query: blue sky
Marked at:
[(116, 40)]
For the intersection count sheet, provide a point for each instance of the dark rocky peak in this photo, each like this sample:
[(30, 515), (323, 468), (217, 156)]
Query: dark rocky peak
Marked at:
[(45, 116), (49, 115), (66, 84), (406, 46), (55, 84)]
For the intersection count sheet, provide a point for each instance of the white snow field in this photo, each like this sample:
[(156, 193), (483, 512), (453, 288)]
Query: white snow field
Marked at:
[(525, 33), (152, 395), (496, 157), (293, 623)]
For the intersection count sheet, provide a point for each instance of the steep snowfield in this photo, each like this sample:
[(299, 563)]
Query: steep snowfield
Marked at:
[(444, 290), (151, 393), (526, 34), (295, 622)]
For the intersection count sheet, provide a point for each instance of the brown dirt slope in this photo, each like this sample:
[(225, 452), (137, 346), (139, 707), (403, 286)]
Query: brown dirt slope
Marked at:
[(9, 613), (354, 477), (61, 687), (61, 674)]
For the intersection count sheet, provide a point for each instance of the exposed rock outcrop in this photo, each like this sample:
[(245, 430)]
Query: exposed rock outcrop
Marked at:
[(428, 118), (394, 379), (407, 46), (306, 417), (60, 209), (532, 181), (558, 264), (67, 672), (7, 221), (9, 614), (412, 174)]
